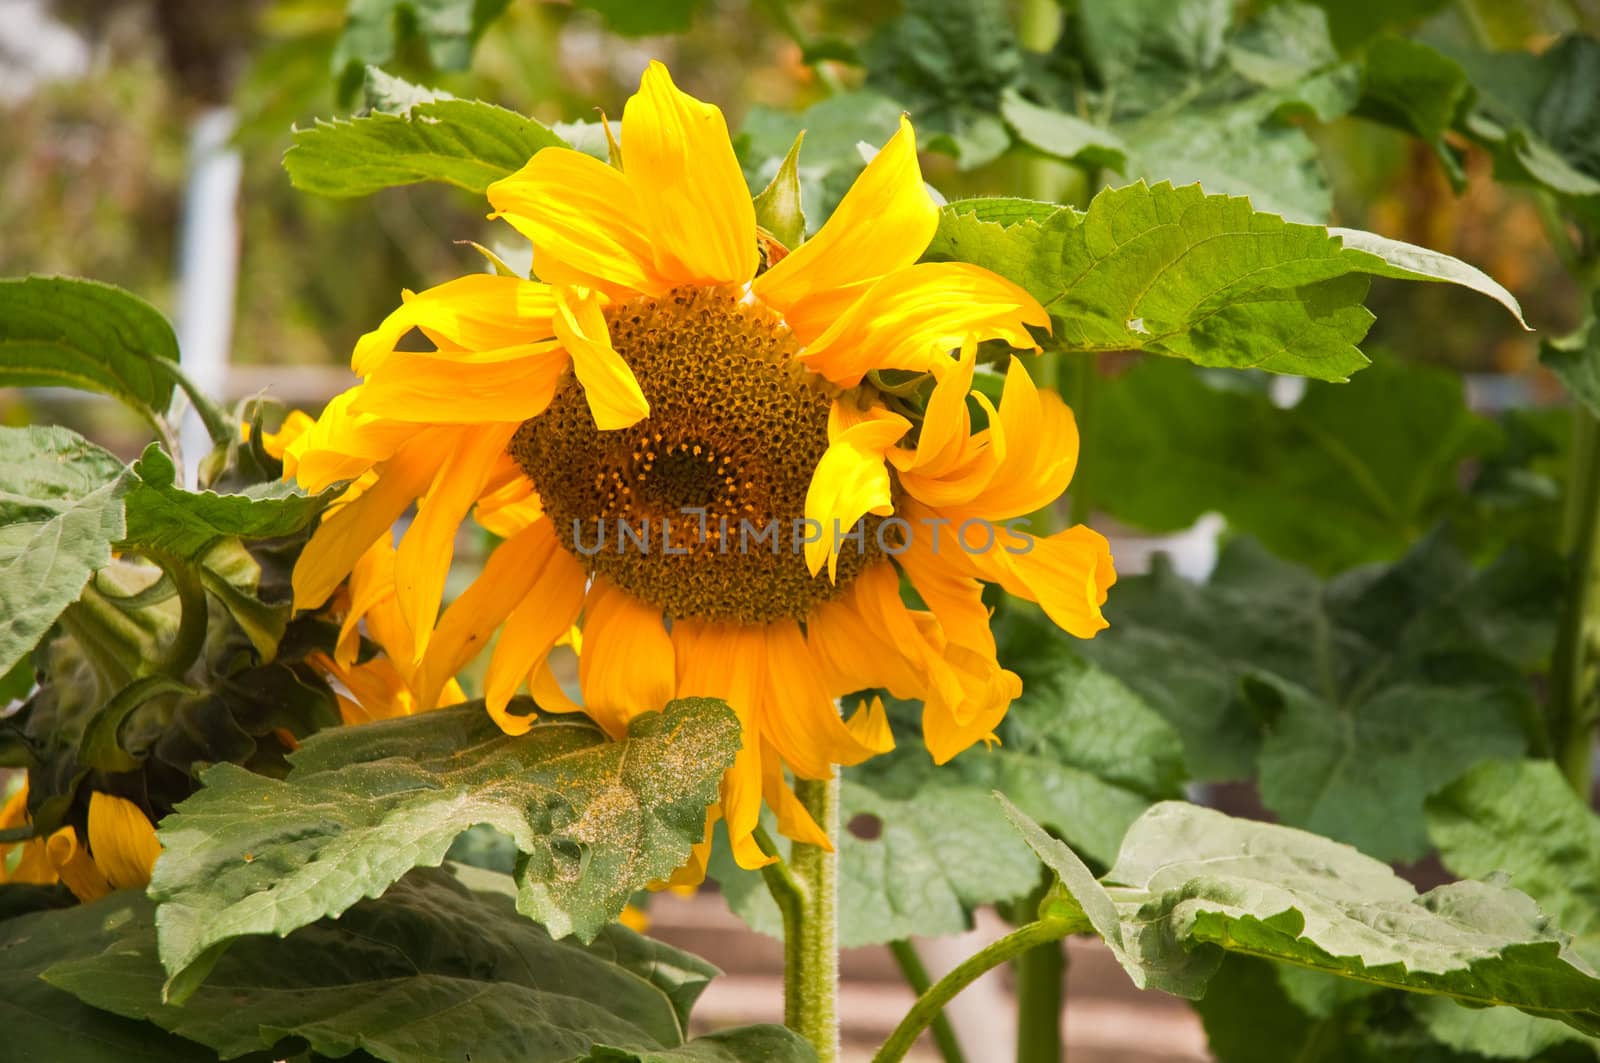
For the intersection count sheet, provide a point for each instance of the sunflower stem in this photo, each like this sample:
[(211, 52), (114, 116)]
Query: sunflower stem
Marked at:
[(968, 971), (1574, 703), (1041, 974), (916, 976), (811, 949)]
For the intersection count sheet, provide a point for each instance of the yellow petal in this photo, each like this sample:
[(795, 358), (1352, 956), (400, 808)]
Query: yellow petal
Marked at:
[(850, 481), (547, 691), (423, 558), (945, 580), (866, 637), (950, 726), (510, 508), (585, 222), (883, 224), (797, 716), (545, 615), (870, 725), (296, 423), (627, 665), (471, 620), (613, 393), (680, 163), (913, 317), (371, 584), (343, 444), (794, 821), (341, 539), (507, 384), (634, 919), (1067, 573), (728, 661), (1036, 439), (949, 464), (474, 313), (74, 866)]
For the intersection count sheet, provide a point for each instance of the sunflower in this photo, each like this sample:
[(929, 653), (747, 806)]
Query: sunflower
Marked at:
[(677, 429)]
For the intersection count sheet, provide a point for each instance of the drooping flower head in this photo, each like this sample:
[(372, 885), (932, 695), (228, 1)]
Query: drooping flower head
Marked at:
[(668, 426)]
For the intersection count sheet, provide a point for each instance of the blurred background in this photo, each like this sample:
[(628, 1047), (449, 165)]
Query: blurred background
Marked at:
[(141, 144)]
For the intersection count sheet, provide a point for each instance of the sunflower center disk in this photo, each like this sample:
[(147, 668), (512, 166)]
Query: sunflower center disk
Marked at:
[(698, 508)]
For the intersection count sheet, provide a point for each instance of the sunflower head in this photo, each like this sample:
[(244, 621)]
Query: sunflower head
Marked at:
[(669, 424)]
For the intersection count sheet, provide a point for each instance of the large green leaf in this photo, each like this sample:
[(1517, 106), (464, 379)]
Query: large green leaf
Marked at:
[(45, 1024), (1202, 277), (164, 517), (431, 972), (429, 136), (1383, 451), (1358, 697), (948, 62), (595, 820), (70, 332), (1192, 883), (60, 511)]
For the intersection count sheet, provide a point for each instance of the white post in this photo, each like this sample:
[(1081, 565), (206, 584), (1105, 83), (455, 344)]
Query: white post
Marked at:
[(208, 270)]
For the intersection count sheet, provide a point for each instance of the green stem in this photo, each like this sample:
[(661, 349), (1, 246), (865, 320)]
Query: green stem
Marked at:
[(970, 969), (190, 637), (218, 427), (811, 978), (916, 976), (1041, 993), (1573, 693), (790, 899)]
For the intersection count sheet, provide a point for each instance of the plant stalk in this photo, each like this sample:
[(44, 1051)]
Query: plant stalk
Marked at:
[(970, 969), (811, 951), (1041, 993), (916, 976), (1574, 697)]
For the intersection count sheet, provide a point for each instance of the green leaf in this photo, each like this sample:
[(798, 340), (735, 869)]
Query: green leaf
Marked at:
[(448, 29), (1413, 87), (1384, 451), (1176, 272), (1099, 913), (1575, 358), (1196, 97), (632, 19), (163, 516), (431, 971), (770, 1044), (595, 820), (60, 511), (1522, 819), (466, 143), (948, 61), (69, 332), (778, 207), (1537, 114), (1192, 882), (45, 1023), (1405, 261), (1063, 135), (1359, 697)]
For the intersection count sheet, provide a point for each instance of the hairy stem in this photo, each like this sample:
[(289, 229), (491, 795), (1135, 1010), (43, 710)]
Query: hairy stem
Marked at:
[(970, 969), (811, 948), (916, 976)]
